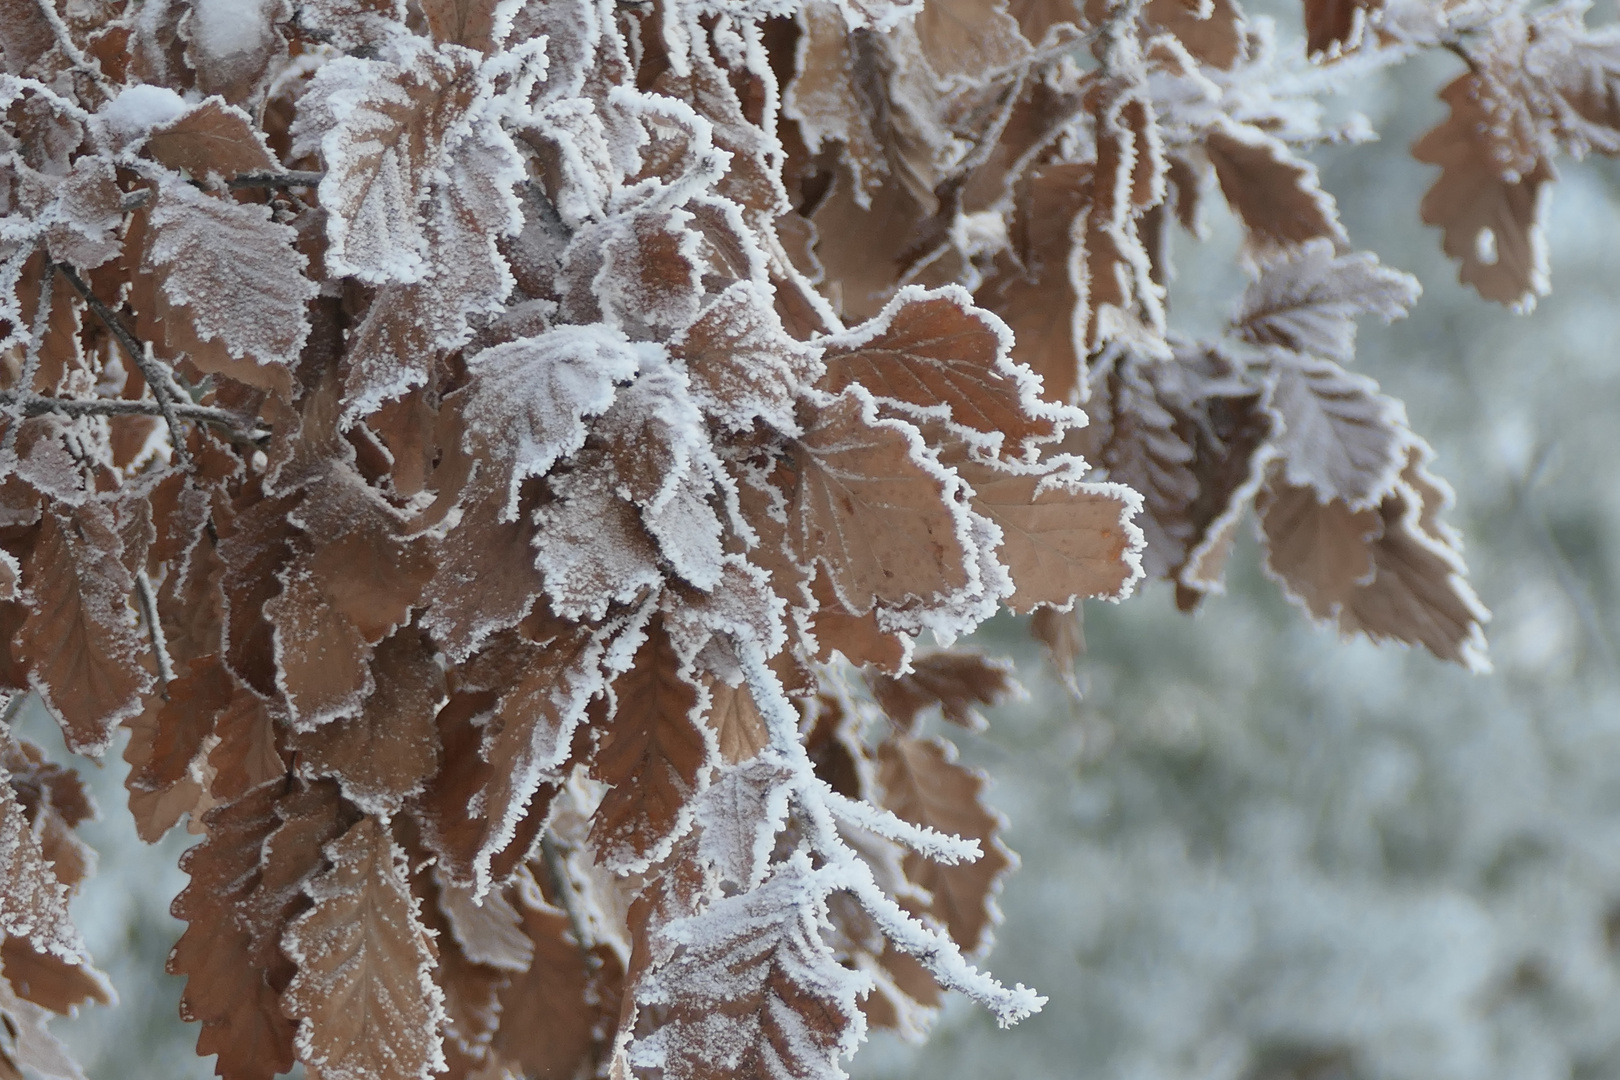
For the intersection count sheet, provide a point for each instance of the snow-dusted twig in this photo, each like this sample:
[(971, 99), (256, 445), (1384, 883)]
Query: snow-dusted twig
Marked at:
[(156, 378), (154, 629)]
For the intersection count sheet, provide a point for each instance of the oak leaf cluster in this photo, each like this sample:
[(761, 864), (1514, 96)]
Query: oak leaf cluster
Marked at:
[(517, 469)]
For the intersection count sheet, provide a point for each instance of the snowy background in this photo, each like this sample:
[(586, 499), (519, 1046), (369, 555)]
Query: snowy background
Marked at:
[(1255, 852)]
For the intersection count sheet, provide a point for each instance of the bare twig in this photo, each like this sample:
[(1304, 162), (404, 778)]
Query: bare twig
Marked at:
[(160, 646), (156, 378), (288, 179), (39, 405), (563, 888)]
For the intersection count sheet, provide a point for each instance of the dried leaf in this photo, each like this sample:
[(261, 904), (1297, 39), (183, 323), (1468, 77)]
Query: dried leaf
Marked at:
[(240, 1013), (956, 681), (869, 508), (1308, 301), (387, 752), (1278, 196), (1062, 539), (755, 992), (933, 352), (655, 755), (211, 139), (362, 997), (80, 643), (230, 289), (922, 784), (1490, 196), (1341, 437)]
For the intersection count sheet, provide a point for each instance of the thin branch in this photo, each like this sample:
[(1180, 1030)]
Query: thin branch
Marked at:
[(156, 377), (564, 889), (160, 646), (39, 405), (288, 179)]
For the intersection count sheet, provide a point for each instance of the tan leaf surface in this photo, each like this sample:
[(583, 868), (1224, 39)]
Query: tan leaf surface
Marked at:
[(211, 139), (654, 755), (738, 728), (1277, 195), (933, 351), (50, 981), (462, 22), (80, 644), (557, 1016), (1062, 539), (361, 997), (308, 817), (1335, 25), (922, 783), (240, 1013), (955, 680), (1377, 572), (1043, 299), (1487, 200), (386, 753), (872, 512)]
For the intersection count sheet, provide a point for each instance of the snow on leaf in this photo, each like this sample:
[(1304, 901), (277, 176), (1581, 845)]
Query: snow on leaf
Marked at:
[(534, 394), (878, 516), (742, 363), (934, 350), (354, 25), (656, 755), (537, 694), (739, 816), (79, 643), (590, 543), (211, 140), (1492, 190), (231, 286), (33, 900), (922, 784), (1579, 70), (362, 997), (755, 991), (386, 752), (388, 145), (1340, 436), (1278, 196), (1062, 539), (239, 1011), (1308, 301)]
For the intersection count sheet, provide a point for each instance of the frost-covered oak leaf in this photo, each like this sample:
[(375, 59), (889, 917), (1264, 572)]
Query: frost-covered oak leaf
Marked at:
[(933, 351), (230, 288), (871, 509), (363, 998), (1062, 538), (79, 643), (1308, 301), (655, 756)]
